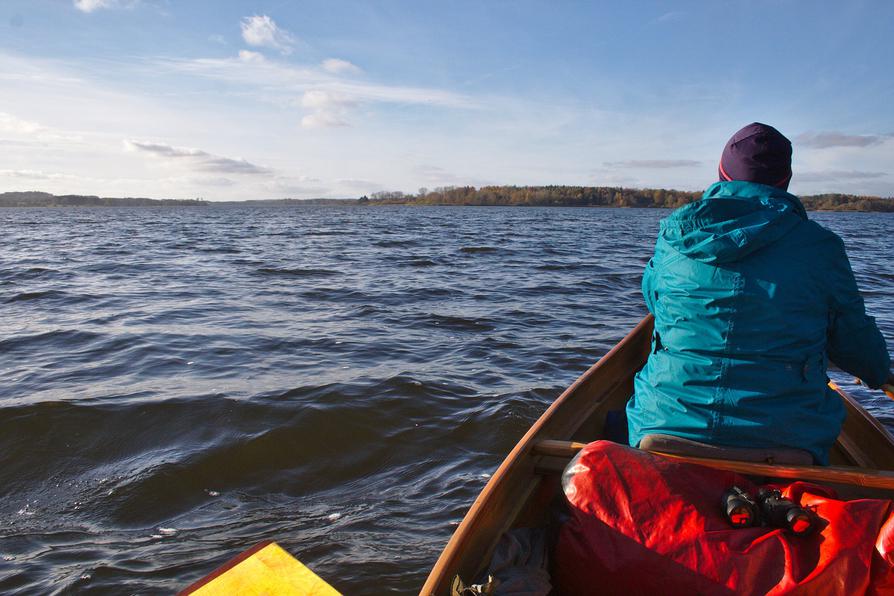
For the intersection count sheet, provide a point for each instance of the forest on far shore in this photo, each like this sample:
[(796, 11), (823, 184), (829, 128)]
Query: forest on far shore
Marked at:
[(598, 196), (508, 196), (45, 199)]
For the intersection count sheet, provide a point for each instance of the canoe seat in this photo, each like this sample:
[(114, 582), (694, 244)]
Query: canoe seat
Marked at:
[(681, 446)]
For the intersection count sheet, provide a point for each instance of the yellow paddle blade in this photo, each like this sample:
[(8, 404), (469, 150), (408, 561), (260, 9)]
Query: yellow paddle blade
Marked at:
[(262, 570)]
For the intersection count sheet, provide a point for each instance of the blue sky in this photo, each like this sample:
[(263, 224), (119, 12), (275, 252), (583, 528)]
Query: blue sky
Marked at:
[(246, 100)]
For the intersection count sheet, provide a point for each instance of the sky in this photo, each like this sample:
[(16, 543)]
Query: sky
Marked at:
[(234, 100)]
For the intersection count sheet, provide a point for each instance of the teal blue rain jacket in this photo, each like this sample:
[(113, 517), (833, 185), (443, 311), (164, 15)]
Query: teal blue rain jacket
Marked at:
[(751, 302)]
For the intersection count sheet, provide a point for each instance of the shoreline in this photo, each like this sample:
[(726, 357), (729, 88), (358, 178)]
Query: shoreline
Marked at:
[(492, 196)]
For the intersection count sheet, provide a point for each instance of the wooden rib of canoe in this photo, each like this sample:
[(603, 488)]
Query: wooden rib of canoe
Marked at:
[(519, 491)]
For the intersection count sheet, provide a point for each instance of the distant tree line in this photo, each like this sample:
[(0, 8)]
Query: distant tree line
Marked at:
[(840, 202), (531, 196), (595, 196), (44, 199)]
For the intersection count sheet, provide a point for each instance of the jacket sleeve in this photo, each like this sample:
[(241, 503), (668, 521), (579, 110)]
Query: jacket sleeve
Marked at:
[(649, 285), (854, 343)]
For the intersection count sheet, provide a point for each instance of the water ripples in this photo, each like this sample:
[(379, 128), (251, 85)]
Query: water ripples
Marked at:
[(180, 384)]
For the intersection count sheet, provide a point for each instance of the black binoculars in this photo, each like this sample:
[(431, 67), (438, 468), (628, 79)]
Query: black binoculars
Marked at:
[(769, 509)]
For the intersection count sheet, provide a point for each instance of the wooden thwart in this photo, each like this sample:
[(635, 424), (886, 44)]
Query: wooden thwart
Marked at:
[(835, 474)]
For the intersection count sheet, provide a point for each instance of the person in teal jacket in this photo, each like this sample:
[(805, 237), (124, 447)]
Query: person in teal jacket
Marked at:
[(751, 301)]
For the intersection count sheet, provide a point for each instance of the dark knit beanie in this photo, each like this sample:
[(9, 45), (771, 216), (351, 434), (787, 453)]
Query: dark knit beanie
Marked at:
[(758, 153)]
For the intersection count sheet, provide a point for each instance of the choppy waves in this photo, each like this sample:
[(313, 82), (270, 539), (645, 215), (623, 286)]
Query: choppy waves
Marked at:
[(178, 385)]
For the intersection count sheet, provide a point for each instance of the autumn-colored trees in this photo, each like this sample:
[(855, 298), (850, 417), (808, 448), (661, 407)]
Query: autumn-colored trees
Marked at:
[(598, 196)]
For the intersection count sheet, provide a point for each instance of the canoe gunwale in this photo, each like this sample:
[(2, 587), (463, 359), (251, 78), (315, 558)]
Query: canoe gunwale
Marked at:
[(519, 462)]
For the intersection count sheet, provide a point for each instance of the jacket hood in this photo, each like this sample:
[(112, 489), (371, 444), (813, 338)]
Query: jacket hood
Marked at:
[(732, 219)]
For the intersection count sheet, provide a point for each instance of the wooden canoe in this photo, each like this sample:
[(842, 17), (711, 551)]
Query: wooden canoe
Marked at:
[(529, 478)]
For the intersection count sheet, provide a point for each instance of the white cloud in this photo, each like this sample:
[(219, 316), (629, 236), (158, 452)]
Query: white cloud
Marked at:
[(319, 99), (91, 5), (196, 159), (33, 130), (654, 163), (9, 123), (837, 175), (261, 30), (339, 66), (328, 109), (41, 152), (35, 175), (272, 76), (824, 140), (323, 120), (251, 57), (328, 98)]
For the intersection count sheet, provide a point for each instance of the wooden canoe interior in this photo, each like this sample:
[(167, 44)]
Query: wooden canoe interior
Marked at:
[(519, 491)]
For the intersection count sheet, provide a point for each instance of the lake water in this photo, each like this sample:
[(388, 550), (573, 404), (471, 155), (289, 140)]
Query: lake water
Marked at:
[(177, 385)]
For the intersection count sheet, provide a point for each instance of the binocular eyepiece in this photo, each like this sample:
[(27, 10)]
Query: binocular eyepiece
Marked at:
[(769, 509), (739, 508)]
